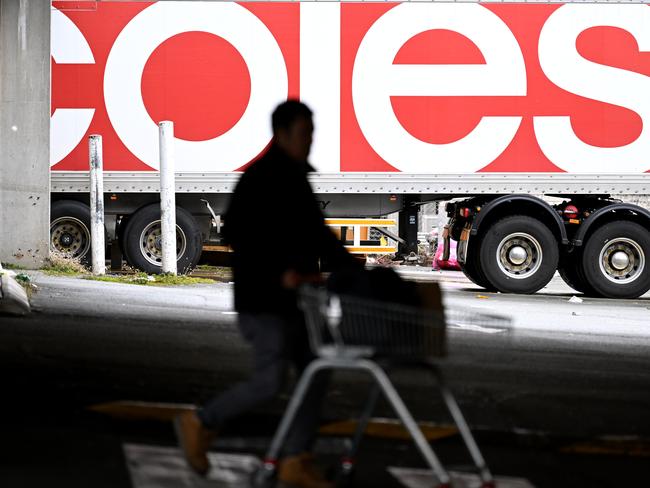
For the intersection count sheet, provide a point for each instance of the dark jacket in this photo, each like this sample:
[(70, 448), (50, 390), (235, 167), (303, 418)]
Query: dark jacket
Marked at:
[(275, 224)]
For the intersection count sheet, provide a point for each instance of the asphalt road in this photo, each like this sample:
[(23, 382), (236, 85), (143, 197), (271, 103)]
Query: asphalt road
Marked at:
[(585, 365), (563, 369)]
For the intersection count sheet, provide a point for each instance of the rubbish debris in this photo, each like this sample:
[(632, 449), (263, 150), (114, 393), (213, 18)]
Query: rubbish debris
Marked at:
[(23, 279), (482, 296), (575, 299)]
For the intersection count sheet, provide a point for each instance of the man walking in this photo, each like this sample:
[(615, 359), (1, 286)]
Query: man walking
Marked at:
[(268, 266)]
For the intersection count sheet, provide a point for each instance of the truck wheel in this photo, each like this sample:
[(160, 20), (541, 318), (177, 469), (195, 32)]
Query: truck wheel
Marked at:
[(570, 269), (519, 254), (615, 260), (142, 240), (70, 229), (472, 268)]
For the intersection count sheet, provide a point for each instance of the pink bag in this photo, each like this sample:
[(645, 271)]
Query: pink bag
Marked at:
[(451, 263)]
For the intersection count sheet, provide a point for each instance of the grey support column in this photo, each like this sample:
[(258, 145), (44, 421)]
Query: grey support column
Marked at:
[(24, 131)]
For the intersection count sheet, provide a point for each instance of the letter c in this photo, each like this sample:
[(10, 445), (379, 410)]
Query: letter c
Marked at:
[(68, 125)]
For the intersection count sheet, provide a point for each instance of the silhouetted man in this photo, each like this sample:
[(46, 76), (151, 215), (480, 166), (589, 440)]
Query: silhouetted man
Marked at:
[(279, 238)]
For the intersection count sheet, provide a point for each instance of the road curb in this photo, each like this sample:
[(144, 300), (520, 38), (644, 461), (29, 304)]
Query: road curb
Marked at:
[(13, 298)]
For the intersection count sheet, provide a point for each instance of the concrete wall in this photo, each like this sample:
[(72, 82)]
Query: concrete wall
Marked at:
[(24, 131)]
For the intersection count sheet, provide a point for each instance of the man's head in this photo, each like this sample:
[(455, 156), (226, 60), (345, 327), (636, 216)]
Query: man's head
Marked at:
[(293, 128)]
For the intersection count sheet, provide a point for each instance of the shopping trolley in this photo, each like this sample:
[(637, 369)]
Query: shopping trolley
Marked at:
[(353, 333)]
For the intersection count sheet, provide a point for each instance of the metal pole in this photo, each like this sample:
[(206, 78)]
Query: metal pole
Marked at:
[(97, 205), (167, 197)]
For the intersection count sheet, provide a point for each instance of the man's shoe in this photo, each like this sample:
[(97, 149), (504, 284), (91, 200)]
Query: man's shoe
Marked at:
[(194, 440), (300, 472)]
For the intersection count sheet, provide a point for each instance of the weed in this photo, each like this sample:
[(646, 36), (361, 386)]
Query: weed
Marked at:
[(59, 264), (219, 273), (151, 280)]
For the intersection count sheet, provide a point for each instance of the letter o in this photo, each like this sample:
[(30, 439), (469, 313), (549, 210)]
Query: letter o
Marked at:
[(157, 23)]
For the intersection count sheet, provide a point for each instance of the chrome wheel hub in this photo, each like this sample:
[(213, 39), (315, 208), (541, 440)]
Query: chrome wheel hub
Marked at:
[(621, 260), (519, 255), (151, 243), (70, 237)]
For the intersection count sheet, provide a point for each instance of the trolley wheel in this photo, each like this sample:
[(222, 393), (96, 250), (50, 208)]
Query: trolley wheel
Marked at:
[(142, 240), (519, 254), (264, 477), (346, 473), (615, 260)]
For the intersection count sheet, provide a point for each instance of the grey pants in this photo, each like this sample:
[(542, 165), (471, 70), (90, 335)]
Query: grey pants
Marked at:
[(277, 341)]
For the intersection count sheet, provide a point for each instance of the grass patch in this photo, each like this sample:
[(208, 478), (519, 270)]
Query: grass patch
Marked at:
[(219, 273), (61, 265), (151, 280), (9, 266)]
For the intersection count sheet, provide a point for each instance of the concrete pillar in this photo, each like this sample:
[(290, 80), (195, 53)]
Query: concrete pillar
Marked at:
[(24, 131)]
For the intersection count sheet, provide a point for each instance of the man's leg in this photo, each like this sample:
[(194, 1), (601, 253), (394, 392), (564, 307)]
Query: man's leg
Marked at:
[(266, 333)]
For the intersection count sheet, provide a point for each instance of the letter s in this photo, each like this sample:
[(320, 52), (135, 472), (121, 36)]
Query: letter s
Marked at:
[(565, 67)]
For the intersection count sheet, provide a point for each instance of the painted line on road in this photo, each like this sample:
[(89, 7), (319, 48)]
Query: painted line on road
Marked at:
[(389, 429), (128, 410), (478, 328), (165, 467), (381, 428), (377, 427), (633, 447), (423, 478)]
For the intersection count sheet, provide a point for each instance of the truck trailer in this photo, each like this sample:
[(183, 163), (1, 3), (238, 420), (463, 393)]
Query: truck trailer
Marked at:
[(488, 104)]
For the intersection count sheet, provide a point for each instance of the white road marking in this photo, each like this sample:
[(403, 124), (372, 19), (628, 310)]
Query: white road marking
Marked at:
[(477, 328), (165, 467), (422, 478)]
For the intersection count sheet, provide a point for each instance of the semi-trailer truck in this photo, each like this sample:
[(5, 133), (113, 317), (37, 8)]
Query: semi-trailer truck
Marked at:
[(490, 104)]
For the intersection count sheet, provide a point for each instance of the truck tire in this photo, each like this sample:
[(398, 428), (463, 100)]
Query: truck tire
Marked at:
[(570, 270), (615, 260), (70, 230), (142, 246), (519, 254), (472, 268)]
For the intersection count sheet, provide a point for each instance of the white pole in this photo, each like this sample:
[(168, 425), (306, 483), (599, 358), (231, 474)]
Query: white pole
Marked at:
[(167, 197), (97, 205)]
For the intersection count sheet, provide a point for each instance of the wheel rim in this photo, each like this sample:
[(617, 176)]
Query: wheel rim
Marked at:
[(151, 243), (621, 260), (70, 237), (519, 255)]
